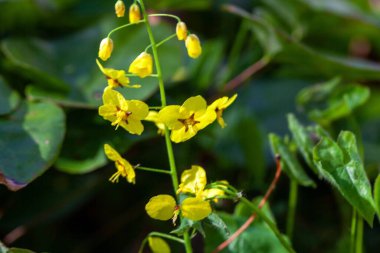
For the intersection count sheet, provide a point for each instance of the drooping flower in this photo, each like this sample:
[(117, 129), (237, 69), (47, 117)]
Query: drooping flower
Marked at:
[(153, 117), (186, 120), (119, 8), (220, 105), (105, 49), (193, 46), (121, 112), (116, 78), (181, 30), (158, 245), (164, 207), (142, 65), (124, 168), (134, 13)]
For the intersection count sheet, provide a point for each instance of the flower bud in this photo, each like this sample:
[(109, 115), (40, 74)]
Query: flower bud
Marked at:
[(193, 46), (134, 13), (105, 49), (181, 31), (119, 8), (142, 65)]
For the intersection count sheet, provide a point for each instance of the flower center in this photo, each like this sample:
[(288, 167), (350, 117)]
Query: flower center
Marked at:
[(188, 122)]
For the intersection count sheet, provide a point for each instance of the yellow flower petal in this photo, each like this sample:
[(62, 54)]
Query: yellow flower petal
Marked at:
[(193, 46), (220, 105), (181, 31), (111, 153), (161, 207), (119, 8), (105, 49), (183, 134), (206, 118), (142, 65), (169, 115), (153, 117), (116, 78), (193, 180), (195, 209), (134, 13), (195, 104), (158, 245), (138, 108)]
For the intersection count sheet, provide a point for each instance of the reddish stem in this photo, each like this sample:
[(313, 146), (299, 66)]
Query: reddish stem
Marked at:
[(253, 216)]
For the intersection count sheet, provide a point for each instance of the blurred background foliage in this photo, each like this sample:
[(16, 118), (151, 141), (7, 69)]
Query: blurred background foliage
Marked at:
[(50, 88)]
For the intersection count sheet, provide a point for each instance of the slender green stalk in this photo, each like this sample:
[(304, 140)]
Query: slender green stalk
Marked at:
[(353, 231), (169, 146), (270, 224), (293, 195), (166, 236), (161, 42), (359, 235), (124, 26), (153, 170), (165, 15)]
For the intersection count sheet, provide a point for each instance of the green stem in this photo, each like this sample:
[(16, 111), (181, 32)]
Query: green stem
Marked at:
[(359, 235), (169, 147), (353, 230), (270, 224), (161, 42), (165, 15), (153, 170), (166, 236), (124, 26), (293, 194)]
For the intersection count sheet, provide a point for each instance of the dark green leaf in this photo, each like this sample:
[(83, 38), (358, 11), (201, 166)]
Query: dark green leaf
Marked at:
[(289, 161), (376, 193), (30, 140), (217, 223), (9, 98), (340, 164)]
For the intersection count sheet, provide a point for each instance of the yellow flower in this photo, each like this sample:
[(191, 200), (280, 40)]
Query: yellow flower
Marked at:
[(161, 207), (142, 65), (134, 13), (158, 245), (193, 180), (116, 78), (181, 31), (186, 120), (195, 209), (124, 168), (220, 105), (105, 49), (119, 8), (153, 117), (193, 46), (121, 112), (164, 207)]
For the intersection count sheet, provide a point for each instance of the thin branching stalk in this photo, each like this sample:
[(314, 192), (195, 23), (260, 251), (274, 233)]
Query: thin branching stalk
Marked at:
[(293, 195)]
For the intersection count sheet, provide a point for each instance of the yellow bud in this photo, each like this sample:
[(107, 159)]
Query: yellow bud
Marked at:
[(142, 65), (193, 46), (134, 13), (119, 8), (181, 31), (105, 49)]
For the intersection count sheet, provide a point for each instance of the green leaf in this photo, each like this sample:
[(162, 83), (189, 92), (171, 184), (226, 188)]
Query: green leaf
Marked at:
[(217, 223), (186, 224), (330, 101), (30, 140), (340, 164), (376, 194), (289, 161), (9, 98), (303, 139)]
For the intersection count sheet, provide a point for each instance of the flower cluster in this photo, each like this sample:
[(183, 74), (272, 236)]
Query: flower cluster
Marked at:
[(196, 197)]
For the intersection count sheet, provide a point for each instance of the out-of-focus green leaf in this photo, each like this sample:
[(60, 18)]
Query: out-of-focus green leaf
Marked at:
[(17, 250), (180, 5), (340, 164), (30, 140), (376, 194), (330, 101), (9, 98), (69, 75), (289, 162), (217, 223)]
